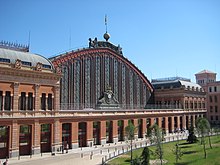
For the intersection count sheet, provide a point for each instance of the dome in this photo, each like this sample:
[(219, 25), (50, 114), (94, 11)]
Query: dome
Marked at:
[(28, 58), (106, 36)]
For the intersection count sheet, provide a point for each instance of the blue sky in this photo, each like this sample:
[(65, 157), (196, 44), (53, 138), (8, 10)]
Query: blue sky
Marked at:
[(163, 38)]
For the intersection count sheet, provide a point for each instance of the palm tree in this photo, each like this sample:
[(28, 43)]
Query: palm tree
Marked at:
[(130, 130), (203, 128)]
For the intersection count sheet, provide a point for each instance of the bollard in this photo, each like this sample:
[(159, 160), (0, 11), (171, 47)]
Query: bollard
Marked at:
[(90, 157), (108, 150), (100, 151), (81, 155), (102, 160)]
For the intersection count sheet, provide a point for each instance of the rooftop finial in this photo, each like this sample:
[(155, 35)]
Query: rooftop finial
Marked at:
[(106, 25), (106, 35)]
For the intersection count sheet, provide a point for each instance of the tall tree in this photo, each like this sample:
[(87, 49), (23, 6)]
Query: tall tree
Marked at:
[(177, 152), (156, 137), (203, 128), (145, 156), (129, 131)]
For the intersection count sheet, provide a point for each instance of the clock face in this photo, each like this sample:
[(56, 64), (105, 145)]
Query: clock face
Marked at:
[(109, 96)]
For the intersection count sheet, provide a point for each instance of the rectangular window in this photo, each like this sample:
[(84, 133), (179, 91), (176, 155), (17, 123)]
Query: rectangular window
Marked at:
[(30, 101), (216, 117), (215, 89), (1, 100), (216, 108), (210, 89), (23, 101), (50, 102), (210, 108), (211, 117), (216, 99), (8, 100), (43, 101), (210, 99)]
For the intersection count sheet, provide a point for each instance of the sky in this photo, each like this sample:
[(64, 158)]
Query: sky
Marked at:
[(163, 38)]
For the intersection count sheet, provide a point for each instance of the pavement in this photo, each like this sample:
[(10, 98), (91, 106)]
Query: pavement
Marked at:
[(95, 155)]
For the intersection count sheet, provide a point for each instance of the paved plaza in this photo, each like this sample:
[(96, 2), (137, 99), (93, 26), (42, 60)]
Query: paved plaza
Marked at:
[(87, 155)]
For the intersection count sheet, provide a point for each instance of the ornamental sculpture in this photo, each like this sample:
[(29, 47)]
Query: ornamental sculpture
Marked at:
[(18, 64), (39, 67), (107, 100)]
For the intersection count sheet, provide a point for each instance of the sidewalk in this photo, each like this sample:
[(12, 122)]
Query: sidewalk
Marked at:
[(87, 155)]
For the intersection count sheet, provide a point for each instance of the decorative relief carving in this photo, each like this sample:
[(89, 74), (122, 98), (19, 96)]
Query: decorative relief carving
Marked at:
[(58, 70), (18, 64), (107, 100), (39, 66)]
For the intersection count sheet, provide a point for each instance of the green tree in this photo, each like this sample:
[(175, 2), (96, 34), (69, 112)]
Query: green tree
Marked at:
[(145, 156), (203, 128), (177, 152), (192, 137), (156, 137), (129, 131)]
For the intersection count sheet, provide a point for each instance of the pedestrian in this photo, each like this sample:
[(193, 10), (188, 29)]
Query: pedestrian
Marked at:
[(6, 162), (67, 147)]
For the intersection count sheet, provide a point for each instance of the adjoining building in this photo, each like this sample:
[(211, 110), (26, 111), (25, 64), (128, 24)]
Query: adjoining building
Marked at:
[(29, 89), (207, 80), (178, 93), (87, 97)]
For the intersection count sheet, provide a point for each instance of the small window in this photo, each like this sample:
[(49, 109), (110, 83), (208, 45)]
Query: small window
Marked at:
[(26, 63), (216, 117), (210, 99), (46, 66), (216, 108), (210, 108), (216, 99), (215, 89), (211, 117), (5, 60), (210, 89)]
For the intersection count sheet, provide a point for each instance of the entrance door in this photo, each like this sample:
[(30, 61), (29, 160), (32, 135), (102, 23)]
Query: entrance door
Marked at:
[(25, 140), (140, 128), (4, 142), (45, 141), (66, 135), (96, 133), (82, 135), (109, 135), (120, 130)]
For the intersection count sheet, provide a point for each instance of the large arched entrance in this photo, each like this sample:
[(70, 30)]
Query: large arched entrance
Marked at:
[(120, 130), (4, 142), (96, 133), (109, 135), (66, 135), (82, 135), (170, 125), (140, 128), (45, 139), (25, 140)]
